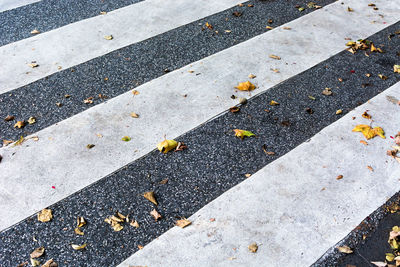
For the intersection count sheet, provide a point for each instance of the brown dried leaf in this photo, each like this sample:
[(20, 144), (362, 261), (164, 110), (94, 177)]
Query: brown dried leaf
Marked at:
[(183, 223), (134, 224), (383, 77), (78, 231), (9, 118), (253, 247), (366, 115), (155, 214), (364, 142), (37, 252), (252, 76), (164, 181), (275, 57), (34, 262), (370, 168), (150, 197), (134, 115), (234, 109), (339, 177), (80, 221), (45, 215), (50, 263)]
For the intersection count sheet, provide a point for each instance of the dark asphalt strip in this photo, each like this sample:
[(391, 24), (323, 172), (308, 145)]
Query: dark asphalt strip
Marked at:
[(46, 15), (136, 64), (214, 162)]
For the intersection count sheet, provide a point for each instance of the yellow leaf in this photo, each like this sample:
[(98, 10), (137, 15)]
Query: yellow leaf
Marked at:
[(275, 57), (243, 133), (78, 231), (253, 247), (135, 92), (78, 247), (134, 115), (45, 215), (183, 223), (273, 103), (150, 197), (33, 65), (396, 68), (108, 37), (31, 120), (368, 132), (126, 138), (19, 142), (345, 249), (19, 124), (117, 227), (396, 229), (373, 48), (389, 257), (383, 77), (339, 111), (269, 27), (246, 86), (37, 252), (167, 145)]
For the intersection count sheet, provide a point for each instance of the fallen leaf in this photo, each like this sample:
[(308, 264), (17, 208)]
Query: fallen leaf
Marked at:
[(35, 31), (370, 168), (7, 142), (208, 25), (88, 100), (253, 247), (183, 223), (389, 256), (301, 9), (243, 133), (135, 92), (368, 132), (234, 109), (269, 27), (327, 91), (103, 12), (134, 224), (275, 57), (37, 252), (383, 77), (108, 37), (78, 247), (155, 214), (349, 9), (311, 97), (150, 197), (345, 249), (80, 221), (247, 175), (78, 231), (273, 103), (19, 124), (339, 177), (50, 263), (9, 118), (237, 14), (31, 120), (90, 146), (379, 263), (167, 145), (33, 65), (339, 111), (287, 28), (252, 76), (134, 115), (126, 138), (164, 181), (366, 115), (242, 100), (396, 68), (140, 247), (34, 262), (181, 146), (363, 142), (245, 86), (20, 141), (59, 104), (45, 215)]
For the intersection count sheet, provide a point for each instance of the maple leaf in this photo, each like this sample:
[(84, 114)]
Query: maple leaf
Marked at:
[(246, 86), (243, 133), (167, 145), (369, 132)]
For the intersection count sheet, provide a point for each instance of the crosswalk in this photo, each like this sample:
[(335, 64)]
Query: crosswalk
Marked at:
[(176, 64)]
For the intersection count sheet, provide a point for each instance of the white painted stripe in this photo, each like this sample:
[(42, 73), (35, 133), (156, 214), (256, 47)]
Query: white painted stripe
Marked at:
[(84, 40), (11, 4), (283, 208), (60, 157)]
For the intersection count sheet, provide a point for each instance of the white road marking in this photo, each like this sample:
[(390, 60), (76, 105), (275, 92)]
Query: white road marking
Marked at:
[(11, 4), (294, 208), (81, 41), (60, 158)]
